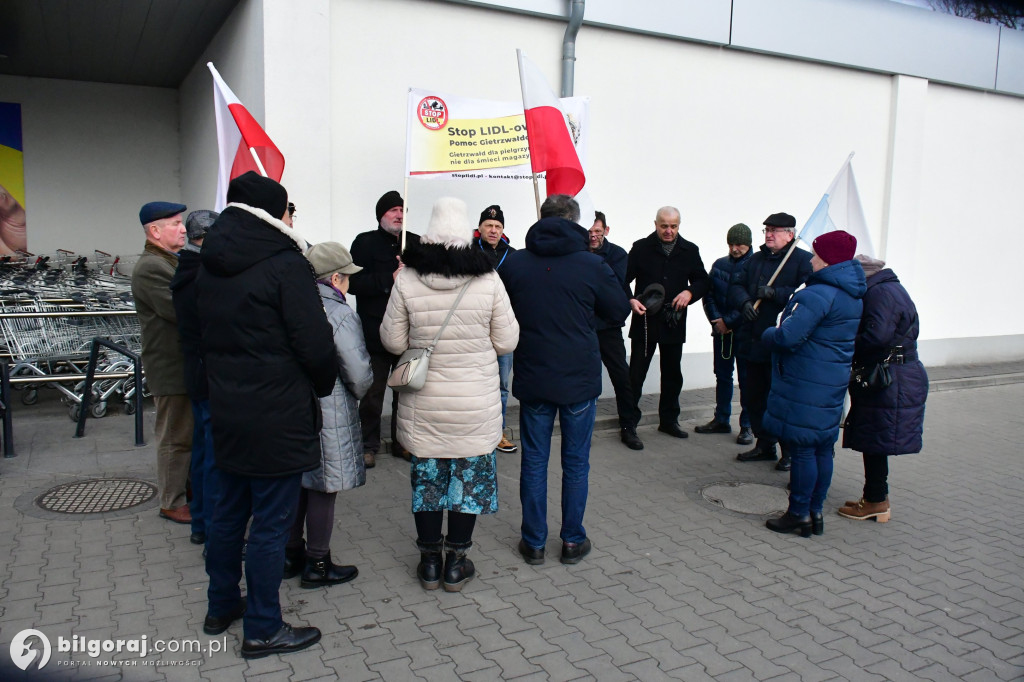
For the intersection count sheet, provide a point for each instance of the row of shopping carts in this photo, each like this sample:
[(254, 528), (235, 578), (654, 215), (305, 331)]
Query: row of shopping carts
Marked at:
[(51, 309)]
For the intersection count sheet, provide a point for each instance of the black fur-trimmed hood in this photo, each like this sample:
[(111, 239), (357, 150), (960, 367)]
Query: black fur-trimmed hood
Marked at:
[(435, 259)]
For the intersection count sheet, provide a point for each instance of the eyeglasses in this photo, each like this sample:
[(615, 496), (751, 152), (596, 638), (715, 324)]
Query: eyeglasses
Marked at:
[(771, 230)]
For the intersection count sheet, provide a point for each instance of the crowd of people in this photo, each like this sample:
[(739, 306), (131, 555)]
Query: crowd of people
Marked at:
[(237, 307)]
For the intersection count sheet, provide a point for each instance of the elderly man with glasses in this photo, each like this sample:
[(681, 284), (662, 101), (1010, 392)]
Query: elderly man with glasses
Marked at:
[(761, 300)]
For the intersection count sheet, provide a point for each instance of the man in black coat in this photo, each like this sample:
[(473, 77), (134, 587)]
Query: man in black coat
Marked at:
[(666, 259), (377, 252), (557, 291), (609, 336), (269, 354), (749, 286)]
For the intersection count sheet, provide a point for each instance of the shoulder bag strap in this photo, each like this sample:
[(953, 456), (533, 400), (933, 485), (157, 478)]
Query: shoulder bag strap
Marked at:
[(455, 305)]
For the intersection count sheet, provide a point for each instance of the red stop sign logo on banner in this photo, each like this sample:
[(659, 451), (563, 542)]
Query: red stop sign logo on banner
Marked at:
[(433, 113)]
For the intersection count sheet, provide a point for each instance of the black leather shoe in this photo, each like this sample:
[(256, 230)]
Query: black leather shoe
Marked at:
[(322, 572), (713, 426), (746, 436), (817, 523), (673, 430), (572, 552), (787, 523), (198, 538), (214, 625), (294, 561), (758, 455), (629, 437), (284, 641), (532, 556), (785, 464)]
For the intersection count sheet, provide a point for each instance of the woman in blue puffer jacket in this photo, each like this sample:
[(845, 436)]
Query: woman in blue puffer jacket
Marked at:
[(812, 349)]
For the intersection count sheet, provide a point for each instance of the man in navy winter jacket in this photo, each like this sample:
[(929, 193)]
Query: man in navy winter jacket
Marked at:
[(558, 290)]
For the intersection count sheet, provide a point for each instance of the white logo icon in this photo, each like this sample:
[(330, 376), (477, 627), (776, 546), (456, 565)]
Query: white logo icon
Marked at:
[(24, 653)]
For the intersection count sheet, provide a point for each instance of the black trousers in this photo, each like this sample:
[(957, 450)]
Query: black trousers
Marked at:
[(671, 375), (613, 355), (372, 404), (876, 477), (759, 385), (460, 527), (315, 515)]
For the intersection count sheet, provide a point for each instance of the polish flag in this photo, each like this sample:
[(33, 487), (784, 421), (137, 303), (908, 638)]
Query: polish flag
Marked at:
[(242, 144), (551, 145)]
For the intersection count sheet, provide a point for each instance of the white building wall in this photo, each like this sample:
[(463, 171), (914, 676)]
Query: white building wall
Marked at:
[(94, 153)]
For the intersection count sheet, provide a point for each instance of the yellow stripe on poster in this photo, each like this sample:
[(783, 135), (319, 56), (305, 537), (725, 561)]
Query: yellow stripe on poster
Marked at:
[(12, 172), (471, 144)]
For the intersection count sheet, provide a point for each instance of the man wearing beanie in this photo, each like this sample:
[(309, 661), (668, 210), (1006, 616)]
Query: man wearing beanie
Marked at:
[(269, 353), (750, 285), (724, 320), (377, 252), (183, 291), (161, 353), (812, 348), (491, 239)]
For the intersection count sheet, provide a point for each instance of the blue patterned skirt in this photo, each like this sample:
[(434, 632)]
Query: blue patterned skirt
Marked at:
[(468, 484)]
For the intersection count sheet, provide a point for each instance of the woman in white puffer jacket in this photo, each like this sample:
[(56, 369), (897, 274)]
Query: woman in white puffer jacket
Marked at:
[(453, 424)]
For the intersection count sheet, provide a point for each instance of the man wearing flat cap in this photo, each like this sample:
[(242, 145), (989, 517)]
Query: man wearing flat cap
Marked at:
[(665, 258), (377, 252), (162, 356), (749, 286)]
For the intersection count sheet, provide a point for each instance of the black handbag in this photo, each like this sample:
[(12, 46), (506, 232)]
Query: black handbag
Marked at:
[(871, 378)]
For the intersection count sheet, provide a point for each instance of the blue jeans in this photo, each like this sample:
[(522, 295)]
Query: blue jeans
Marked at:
[(536, 422), (205, 488), (724, 345), (504, 370), (810, 478), (272, 503)]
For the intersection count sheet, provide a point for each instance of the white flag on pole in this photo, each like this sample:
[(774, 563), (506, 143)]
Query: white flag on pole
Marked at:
[(840, 209)]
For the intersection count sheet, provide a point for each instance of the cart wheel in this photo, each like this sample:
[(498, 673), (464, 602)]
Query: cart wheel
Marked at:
[(99, 409), (129, 407), (30, 396), (75, 411)]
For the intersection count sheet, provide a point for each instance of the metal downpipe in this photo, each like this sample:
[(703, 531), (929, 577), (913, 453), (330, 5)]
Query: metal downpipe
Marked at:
[(576, 10)]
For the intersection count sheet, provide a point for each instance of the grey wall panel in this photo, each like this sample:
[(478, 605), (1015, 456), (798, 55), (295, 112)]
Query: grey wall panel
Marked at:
[(871, 34), (1010, 76)]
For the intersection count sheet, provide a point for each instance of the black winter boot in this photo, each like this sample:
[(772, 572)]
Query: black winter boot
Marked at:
[(321, 572), (430, 568), (294, 560), (458, 570)]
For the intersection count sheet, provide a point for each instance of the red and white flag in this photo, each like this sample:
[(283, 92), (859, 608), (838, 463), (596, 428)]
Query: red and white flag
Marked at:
[(240, 141), (551, 146)]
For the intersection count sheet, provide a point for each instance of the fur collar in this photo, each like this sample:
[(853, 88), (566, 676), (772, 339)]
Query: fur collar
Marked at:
[(435, 259), (276, 223)]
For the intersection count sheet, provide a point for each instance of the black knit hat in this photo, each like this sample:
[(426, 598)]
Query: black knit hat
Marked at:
[(387, 202), (252, 189), (492, 212), (780, 220)]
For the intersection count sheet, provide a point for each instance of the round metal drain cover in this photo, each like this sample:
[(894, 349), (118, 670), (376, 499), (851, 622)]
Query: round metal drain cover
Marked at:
[(96, 495), (747, 498)]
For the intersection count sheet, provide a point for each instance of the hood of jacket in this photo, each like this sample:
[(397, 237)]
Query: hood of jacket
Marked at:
[(847, 276), (882, 277), (243, 236), (188, 268), (556, 237), (443, 268)]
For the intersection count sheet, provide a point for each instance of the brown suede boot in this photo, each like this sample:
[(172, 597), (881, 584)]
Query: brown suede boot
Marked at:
[(862, 511)]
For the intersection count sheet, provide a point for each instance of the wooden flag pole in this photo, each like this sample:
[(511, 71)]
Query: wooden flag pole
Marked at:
[(259, 164), (536, 195), (771, 280), (405, 209)]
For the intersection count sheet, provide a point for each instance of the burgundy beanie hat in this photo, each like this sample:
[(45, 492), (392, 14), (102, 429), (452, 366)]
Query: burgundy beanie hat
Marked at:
[(835, 247)]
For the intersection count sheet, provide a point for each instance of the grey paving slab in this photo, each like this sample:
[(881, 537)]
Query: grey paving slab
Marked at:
[(677, 587)]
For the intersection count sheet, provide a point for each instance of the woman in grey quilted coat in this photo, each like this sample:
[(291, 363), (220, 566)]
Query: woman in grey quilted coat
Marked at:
[(341, 442)]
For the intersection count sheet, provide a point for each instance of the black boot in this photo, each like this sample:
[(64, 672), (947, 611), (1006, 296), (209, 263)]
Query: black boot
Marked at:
[(430, 567), (817, 523), (321, 572), (629, 437), (458, 570), (788, 523), (762, 452), (294, 560)]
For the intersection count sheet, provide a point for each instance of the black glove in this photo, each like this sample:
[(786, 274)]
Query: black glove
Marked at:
[(767, 293), (750, 312)]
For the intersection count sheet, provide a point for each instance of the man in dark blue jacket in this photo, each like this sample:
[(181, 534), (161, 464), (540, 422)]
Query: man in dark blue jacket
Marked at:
[(609, 336), (558, 290), (724, 320), (761, 302)]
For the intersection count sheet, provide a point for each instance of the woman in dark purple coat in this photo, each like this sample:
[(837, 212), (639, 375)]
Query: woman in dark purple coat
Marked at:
[(890, 421)]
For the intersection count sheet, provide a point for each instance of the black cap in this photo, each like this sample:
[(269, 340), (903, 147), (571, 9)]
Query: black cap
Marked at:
[(252, 189), (780, 220), (198, 223), (157, 210), (387, 202)]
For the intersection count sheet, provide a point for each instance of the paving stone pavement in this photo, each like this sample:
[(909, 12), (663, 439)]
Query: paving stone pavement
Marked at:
[(676, 587)]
